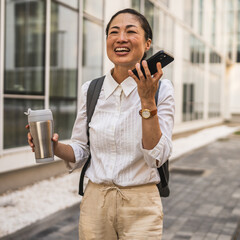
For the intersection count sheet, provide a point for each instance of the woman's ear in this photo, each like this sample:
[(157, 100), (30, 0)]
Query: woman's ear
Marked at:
[(148, 44)]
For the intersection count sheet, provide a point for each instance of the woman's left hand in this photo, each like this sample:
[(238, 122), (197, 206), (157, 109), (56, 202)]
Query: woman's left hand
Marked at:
[(147, 87)]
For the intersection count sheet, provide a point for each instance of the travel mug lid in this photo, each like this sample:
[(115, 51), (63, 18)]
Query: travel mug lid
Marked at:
[(39, 115)]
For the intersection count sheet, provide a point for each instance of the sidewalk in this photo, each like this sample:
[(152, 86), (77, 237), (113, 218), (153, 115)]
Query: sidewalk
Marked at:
[(204, 201)]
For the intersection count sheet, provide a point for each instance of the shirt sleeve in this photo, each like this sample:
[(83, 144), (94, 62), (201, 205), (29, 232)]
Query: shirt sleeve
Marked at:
[(166, 109), (79, 133)]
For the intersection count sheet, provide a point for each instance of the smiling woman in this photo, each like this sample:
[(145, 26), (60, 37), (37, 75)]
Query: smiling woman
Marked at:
[(126, 149), (123, 163)]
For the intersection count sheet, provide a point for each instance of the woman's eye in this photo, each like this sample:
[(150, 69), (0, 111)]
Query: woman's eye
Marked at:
[(131, 31), (113, 32)]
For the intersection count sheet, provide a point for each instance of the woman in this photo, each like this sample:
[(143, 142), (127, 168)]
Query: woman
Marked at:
[(121, 200)]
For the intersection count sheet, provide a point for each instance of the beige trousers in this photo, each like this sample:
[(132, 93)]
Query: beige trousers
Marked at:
[(110, 212)]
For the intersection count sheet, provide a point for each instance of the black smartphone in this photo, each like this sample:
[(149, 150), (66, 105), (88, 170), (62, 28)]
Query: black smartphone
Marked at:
[(163, 57)]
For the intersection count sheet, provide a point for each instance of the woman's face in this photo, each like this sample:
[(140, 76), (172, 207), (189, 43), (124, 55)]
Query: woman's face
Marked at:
[(126, 41)]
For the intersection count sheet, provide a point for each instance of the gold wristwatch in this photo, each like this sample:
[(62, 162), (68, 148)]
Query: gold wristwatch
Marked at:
[(146, 113)]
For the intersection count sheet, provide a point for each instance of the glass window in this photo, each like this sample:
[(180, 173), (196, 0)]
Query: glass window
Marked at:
[(15, 134), (24, 44), (188, 93), (238, 34), (214, 76), (149, 12), (136, 4), (238, 49), (63, 71), (200, 17), (193, 78), (230, 27), (94, 7), (64, 114), (92, 50)]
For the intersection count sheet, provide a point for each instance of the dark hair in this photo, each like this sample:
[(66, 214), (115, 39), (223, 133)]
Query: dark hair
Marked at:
[(144, 22)]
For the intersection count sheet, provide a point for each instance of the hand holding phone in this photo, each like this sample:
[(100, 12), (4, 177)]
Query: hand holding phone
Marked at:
[(161, 56)]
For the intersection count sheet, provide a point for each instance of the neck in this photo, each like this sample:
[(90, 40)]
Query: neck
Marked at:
[(120, 73)]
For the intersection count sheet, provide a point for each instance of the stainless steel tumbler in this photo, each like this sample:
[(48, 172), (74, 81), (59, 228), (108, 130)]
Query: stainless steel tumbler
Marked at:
[(41, 129)]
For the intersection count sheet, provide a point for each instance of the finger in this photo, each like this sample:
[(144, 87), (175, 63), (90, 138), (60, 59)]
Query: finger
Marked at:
[(29, 136), (30, 140), (131, 74), (27, 126), (139, 71), (31, 144), (55, 137), (159, 67), (159, 72), (146, 69)]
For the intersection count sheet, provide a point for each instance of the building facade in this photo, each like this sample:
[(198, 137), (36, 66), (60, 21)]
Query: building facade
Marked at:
[(49, 48)]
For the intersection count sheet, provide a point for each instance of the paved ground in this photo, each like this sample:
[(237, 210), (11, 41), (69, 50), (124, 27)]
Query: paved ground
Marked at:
[(204, 202)]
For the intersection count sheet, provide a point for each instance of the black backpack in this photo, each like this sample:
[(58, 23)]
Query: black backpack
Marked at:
[(92, 98)]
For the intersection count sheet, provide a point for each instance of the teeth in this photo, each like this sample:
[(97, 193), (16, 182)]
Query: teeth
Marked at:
[(122, 50)]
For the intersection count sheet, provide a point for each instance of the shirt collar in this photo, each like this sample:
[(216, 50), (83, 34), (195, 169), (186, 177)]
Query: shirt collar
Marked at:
[(110, 85)]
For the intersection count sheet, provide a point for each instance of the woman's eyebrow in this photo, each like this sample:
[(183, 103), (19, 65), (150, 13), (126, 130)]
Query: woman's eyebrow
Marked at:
[(128, 26)]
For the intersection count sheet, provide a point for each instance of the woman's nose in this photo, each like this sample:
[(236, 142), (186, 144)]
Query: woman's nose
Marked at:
[(122, 37)]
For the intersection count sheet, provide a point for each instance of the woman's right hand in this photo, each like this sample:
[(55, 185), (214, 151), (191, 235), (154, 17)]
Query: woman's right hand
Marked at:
[(30, 139)]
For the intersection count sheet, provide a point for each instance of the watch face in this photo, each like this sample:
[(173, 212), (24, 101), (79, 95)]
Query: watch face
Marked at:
[(145, 114)]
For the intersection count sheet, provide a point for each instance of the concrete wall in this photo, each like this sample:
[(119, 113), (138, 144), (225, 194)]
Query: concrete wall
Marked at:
[(19, 178)]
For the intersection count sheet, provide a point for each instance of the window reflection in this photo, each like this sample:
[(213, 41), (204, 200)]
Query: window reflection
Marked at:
[(214, 107), (136, 4), (15, 120), (64, 114), (149, 12), (193, 78), (25, 44), (63, 72), (200, 17), (230, 27), (92, 50), (238, 34)]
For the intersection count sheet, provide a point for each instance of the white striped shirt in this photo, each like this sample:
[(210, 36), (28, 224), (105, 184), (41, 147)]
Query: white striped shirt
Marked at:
[(116, 134)]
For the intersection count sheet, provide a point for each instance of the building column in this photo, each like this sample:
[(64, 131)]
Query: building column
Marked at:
[(2, 22)]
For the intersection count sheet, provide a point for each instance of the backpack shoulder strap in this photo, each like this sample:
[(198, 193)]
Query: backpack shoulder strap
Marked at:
[(93, 93)]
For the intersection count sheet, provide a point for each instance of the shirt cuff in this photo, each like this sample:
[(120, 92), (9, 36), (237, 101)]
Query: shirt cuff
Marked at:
[(160, 152), (80, 158)]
